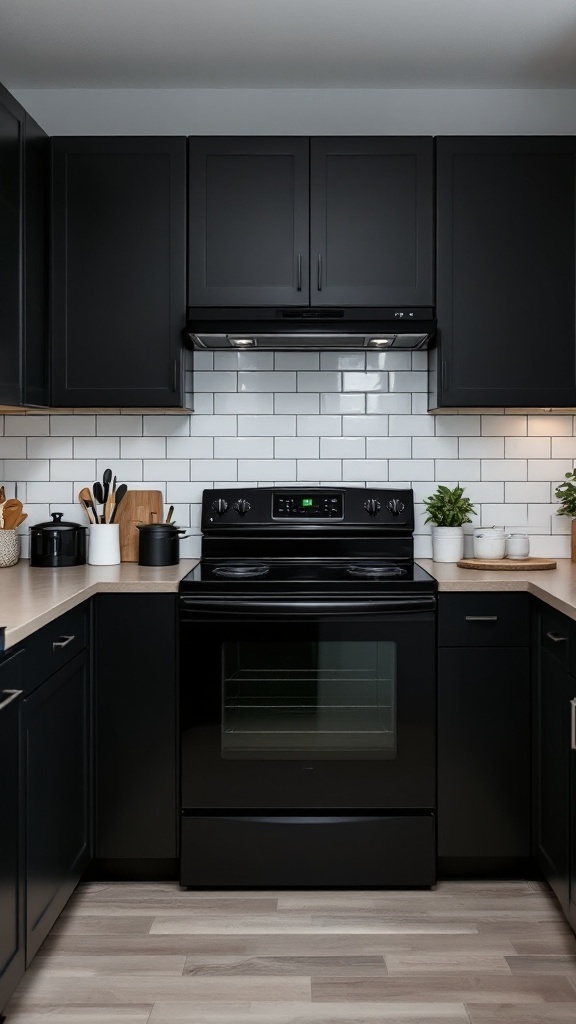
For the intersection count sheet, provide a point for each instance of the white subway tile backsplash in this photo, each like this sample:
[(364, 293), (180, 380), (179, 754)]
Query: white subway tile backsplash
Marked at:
[(263, 382), (324, 380), (367, 426), (296, 447), (375, 381), (244, 402), (191, 447), (384, 404), (264, 418), (142, 448)]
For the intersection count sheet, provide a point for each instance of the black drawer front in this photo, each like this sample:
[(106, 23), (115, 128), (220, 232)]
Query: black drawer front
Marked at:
[(55, 645), (555, 633), (484, 619)]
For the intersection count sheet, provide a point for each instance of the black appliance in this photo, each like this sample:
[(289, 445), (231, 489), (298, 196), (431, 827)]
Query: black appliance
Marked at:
[(307, 693), (57, 544), (308, 329)]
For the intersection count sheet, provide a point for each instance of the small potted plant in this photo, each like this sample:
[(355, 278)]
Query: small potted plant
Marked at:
[(566, 494), (448, 509)]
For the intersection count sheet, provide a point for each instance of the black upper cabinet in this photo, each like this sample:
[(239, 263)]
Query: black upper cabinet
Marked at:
[(24, 168), (118, 271), (506, 293), (321, 222)]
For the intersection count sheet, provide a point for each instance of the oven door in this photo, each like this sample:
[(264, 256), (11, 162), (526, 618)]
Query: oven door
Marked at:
[(296, 704)]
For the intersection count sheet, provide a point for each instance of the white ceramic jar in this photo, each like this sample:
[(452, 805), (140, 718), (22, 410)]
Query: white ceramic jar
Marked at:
[(489, 544), (517, 545)]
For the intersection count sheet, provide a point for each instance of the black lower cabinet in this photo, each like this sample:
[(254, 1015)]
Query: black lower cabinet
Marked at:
[(56, 737), (12, 944), (136, 759), (554, 795), (484, 733)]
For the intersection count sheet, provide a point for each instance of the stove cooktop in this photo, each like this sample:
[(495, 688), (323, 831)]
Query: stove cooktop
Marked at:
[(235, 575)]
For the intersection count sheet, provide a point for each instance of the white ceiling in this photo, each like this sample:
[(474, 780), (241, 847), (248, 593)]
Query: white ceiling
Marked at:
[(284, 44)]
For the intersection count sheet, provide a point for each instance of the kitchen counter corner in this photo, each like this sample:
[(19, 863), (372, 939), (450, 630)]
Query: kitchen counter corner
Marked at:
[(32, 597)]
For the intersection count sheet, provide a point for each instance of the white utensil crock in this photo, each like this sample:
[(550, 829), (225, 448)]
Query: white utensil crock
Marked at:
[(104, 544)]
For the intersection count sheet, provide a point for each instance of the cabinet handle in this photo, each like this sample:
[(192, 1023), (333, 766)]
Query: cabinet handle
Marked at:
[(59, 644), (12, 694), (556, 638), (299, 273), (319, 272), (572, 723), (481, 618), (175, 376)]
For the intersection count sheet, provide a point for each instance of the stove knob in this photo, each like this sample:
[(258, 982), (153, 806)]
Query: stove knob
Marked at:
[(395, 506), (372, 506), (241, 506), (220, 506)]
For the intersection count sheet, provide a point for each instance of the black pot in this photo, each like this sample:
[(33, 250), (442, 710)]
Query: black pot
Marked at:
[(159, 544), (57, 544)]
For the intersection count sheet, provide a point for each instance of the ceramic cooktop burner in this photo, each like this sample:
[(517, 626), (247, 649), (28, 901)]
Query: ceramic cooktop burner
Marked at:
[(235, 570), (375, 571)]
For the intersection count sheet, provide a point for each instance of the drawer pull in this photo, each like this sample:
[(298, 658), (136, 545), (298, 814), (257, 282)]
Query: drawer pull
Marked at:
[(556, 638), (12, 694), (59, 644), (572, 723), (481, 618)]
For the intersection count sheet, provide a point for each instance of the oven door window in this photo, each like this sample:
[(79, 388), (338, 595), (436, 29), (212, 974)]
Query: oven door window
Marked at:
[(327, 699)]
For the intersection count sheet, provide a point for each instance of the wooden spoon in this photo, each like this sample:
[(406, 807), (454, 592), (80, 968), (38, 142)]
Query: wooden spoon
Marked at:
[(86, 499), (12, 510)]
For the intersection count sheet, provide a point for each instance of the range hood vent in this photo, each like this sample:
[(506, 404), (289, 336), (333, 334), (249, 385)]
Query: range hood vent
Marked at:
[(310, 330)]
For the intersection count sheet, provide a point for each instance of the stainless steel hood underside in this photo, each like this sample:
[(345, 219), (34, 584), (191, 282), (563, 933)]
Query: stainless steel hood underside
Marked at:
[(310, 330)]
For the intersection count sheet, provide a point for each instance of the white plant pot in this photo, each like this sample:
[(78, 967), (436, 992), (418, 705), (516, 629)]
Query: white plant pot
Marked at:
[(447, 543)]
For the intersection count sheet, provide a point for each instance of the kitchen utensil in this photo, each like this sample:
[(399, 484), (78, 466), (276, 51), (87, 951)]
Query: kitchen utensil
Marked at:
[(98, 492), (170, 513), (11, 511), (85, 496), (159, 543), (2, 494), (109, 508), (520, 564), (20, 520), (57, 543), (104, 544), (517, 545), (106, 480), (136, 507), (118, 495)]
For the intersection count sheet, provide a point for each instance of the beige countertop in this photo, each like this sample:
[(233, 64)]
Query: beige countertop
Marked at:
[(32, 597), (557, 587)]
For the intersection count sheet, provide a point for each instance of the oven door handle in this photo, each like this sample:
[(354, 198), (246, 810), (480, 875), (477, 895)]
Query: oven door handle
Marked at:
[(303, 609)]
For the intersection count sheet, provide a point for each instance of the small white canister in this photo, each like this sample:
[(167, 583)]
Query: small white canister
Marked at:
[(517, 545), (489, 544), (104, 544)]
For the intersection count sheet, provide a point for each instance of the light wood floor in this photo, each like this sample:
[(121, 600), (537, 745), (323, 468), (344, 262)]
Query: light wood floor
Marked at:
[(474, 952)]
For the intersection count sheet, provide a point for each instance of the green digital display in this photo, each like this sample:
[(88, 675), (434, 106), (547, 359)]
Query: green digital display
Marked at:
[(307, 502)]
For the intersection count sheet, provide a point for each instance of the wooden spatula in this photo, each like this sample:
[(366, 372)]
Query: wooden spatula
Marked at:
[(12, 510)]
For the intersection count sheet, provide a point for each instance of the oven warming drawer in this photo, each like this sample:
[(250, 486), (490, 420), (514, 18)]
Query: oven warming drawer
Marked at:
[(325, 851)]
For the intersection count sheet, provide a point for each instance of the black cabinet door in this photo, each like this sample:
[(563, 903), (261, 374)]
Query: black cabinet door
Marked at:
[(572, 904), (371, 221), (248, 221), (11, 321), (119, 271), (555, 689), (506, 293), (11, 853), (56, 727), (36, 263), (136, 760), (484, 752)]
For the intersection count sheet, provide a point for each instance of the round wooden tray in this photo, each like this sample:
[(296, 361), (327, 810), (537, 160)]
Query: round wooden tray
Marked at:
[(520, 564)]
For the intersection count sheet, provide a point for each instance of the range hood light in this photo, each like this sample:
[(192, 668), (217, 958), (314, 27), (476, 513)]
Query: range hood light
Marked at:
[(242, 342), (380, 342)]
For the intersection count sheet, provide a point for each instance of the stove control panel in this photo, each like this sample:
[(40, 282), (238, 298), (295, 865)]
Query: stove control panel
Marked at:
[(307, 506)]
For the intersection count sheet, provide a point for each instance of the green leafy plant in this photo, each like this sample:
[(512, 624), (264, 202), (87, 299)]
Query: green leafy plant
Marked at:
[(448, 507), (566, 494)]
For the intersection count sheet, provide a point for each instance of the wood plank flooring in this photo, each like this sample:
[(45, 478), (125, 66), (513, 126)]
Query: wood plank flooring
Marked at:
[(150, 953)]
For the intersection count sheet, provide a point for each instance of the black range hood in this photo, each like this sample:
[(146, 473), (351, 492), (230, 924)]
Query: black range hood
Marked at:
[(306, 329)]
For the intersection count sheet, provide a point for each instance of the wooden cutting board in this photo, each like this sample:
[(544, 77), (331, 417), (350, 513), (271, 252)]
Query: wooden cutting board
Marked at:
[(136, 507), (520, 564)]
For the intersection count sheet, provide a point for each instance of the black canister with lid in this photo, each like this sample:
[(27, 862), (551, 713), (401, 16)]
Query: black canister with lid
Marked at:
[(159, 544), (58, 543)]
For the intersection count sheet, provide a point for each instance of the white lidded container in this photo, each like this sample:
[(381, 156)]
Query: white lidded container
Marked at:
[(489, 543)]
